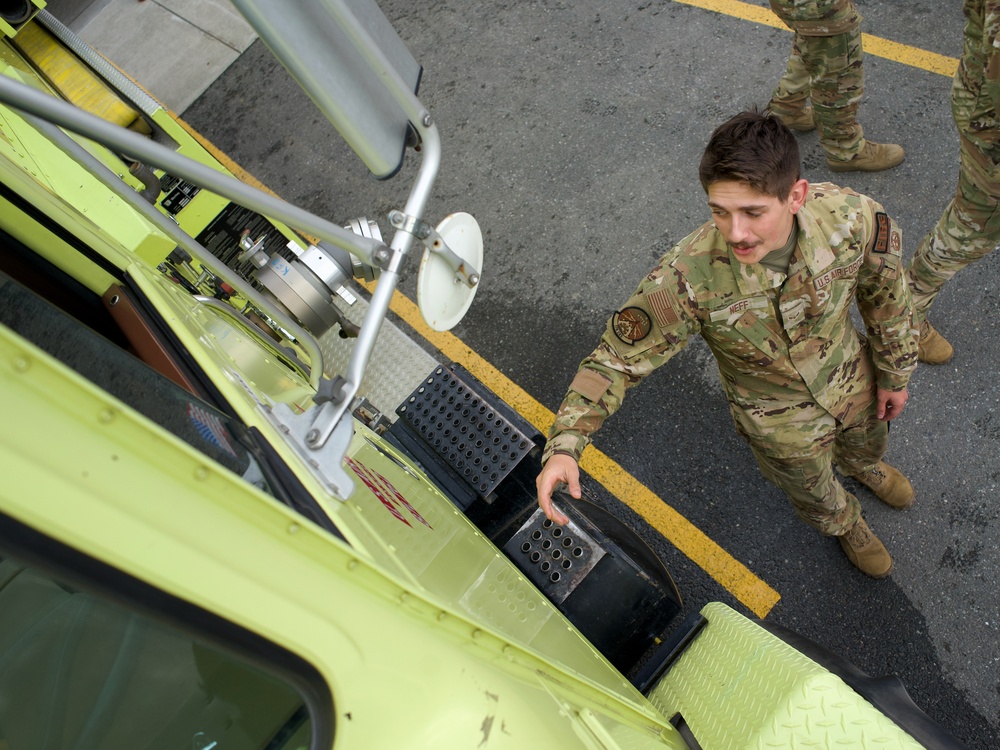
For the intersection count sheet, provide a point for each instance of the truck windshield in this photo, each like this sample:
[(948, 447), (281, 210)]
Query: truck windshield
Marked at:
[(77, 671)]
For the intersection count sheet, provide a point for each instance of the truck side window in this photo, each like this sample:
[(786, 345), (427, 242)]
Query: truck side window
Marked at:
[(79, 671)]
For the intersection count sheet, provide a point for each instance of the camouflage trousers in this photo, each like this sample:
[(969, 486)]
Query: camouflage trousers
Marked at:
[(799, 459), (828, 70), (968, 229)]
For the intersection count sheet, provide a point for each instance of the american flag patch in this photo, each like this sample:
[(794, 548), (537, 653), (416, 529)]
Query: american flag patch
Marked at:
[(210, 428), (662, 307)]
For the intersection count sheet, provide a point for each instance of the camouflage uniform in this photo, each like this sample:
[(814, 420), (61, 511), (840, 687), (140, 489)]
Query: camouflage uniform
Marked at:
[(799, 379), (826, 66), (969, 228)]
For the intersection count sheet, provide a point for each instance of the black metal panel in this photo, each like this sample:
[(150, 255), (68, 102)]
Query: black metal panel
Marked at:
[(668, 652), (485, 457), (626, 599), (456, 417)]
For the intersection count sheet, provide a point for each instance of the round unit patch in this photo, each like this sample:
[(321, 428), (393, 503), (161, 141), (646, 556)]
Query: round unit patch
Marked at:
[(632, 324)]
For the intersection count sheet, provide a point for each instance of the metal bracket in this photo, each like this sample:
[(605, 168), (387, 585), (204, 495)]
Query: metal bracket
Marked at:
[(329, 413), (435, 244), (250, 249), (327, 464)]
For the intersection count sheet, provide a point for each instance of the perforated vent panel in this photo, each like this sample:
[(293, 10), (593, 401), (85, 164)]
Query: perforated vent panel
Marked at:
[(555, 558), (476, 441)]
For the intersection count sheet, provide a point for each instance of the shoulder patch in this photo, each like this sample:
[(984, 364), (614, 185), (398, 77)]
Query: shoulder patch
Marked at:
[(663, 308), (895, 242), (886, 239), (631, 324)]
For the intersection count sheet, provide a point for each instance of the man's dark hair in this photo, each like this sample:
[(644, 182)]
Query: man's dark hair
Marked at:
[(755, 148)]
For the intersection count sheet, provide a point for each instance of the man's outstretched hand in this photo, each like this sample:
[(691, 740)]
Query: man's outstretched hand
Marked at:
[(559, 469)]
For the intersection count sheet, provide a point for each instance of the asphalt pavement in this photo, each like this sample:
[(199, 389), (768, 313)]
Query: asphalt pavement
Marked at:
[(572, 131)]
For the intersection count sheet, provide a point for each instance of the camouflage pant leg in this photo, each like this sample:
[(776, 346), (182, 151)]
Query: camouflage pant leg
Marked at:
[(792, 92), (806, 476), (830, 71), (836, 76), (968, 229), (817, 496), (862, 443)]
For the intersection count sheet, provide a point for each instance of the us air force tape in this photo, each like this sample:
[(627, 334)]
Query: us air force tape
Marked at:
[(631, 324)]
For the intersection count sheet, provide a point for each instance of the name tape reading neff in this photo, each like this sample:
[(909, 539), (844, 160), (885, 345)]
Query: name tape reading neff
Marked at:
[(750, 303)]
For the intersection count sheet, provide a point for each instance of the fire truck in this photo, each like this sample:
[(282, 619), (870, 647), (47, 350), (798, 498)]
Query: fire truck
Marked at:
[(241, 508)]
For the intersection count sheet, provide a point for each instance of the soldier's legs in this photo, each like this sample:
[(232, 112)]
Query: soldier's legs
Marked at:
[(801, 463), (817, 496), (836, 73), (798, 457), (968, 229)]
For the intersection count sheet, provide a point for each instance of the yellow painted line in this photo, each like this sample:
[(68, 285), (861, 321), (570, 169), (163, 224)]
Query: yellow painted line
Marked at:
[(901, 53), (729, 572), (912, 56), (746, 11)]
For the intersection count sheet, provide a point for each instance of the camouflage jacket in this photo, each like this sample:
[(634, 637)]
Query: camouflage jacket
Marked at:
[(817, 17), (783, 344)]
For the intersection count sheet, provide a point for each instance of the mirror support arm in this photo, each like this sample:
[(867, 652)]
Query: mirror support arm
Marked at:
[(333, 411)]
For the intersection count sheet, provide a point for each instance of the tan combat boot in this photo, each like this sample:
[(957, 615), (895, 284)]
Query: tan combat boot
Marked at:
[(889, 485), (933, 348), (802, 121), (873, 157), (865, 550)]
